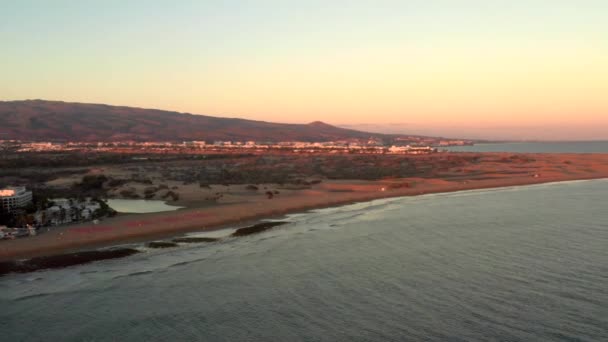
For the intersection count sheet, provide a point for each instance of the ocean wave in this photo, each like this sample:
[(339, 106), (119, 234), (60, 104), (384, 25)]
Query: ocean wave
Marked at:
[(184, 263), (134, 274), (33, 296)]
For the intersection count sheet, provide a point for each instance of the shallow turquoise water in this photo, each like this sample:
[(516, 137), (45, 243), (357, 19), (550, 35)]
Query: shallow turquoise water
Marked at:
[(518, 264)]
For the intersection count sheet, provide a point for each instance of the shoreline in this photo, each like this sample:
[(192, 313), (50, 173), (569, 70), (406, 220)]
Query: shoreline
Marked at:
[(137, 228)]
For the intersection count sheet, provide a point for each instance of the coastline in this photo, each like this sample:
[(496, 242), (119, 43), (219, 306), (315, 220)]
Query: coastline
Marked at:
[(133, 228)]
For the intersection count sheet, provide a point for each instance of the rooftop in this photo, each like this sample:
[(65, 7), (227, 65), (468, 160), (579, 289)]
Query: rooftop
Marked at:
[(12, 191)]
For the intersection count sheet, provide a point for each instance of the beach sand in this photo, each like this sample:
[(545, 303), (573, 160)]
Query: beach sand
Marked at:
[(240, 210)]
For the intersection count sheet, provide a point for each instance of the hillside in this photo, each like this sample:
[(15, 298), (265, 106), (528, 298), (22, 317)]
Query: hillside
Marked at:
[(40, 120)]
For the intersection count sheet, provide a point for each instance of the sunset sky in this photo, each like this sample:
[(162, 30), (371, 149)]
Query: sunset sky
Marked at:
[(534, 69)]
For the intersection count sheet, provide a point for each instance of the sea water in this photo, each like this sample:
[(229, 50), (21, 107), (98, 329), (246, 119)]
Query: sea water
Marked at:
[(516, 264), (537, 147)]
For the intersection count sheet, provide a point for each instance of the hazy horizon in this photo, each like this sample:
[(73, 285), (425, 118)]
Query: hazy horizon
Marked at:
[(541, 134), (498, 133), (479, 70)]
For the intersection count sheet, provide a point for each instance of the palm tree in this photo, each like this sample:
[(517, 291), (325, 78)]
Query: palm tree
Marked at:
[(54, 216), (77, 213), (62, 214), (43, 218)]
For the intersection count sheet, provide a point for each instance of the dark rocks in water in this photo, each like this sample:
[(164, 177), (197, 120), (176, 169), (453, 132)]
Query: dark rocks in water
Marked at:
[(257, 228), (63, 260), (195, 239), (161, 244)]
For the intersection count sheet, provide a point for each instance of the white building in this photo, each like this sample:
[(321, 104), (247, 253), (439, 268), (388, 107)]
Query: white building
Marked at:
[(15, 197), (67, 210)]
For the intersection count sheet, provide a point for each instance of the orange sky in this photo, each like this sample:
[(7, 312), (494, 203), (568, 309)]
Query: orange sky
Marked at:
[(432, 65)]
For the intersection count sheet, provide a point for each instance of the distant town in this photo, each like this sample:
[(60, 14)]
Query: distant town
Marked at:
[(410, 145)]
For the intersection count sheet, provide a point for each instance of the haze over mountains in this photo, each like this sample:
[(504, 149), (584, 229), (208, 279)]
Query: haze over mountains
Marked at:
[(40, 120), (547, 131)]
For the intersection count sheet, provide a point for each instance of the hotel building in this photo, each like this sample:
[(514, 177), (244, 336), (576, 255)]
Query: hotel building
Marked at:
[(14, 197)]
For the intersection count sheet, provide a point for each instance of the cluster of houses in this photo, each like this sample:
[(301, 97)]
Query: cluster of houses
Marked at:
[(429, 141), (14, 200), (411, 149), (372, 146), (63, 210)]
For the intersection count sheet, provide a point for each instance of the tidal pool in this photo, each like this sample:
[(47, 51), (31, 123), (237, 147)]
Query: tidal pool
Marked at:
[(140, 206)]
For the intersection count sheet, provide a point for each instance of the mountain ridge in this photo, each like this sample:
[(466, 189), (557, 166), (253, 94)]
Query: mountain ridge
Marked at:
[(44, 120)]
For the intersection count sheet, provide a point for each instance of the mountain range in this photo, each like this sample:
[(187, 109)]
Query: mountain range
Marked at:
[(40, 120)]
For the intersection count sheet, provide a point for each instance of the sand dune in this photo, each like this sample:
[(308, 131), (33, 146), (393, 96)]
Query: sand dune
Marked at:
[(239, 210)]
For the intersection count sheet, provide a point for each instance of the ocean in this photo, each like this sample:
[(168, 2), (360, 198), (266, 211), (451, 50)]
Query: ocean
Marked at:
[(537, 147), (524, 263)]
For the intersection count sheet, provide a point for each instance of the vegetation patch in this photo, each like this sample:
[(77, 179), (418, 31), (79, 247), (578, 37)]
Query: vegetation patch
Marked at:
[(171, 194), (129, 193)]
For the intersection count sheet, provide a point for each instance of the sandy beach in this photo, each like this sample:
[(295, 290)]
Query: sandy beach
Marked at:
[(238, 211)]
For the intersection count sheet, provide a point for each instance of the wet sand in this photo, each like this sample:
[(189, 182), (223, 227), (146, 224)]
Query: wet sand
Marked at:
[(144, 227)]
